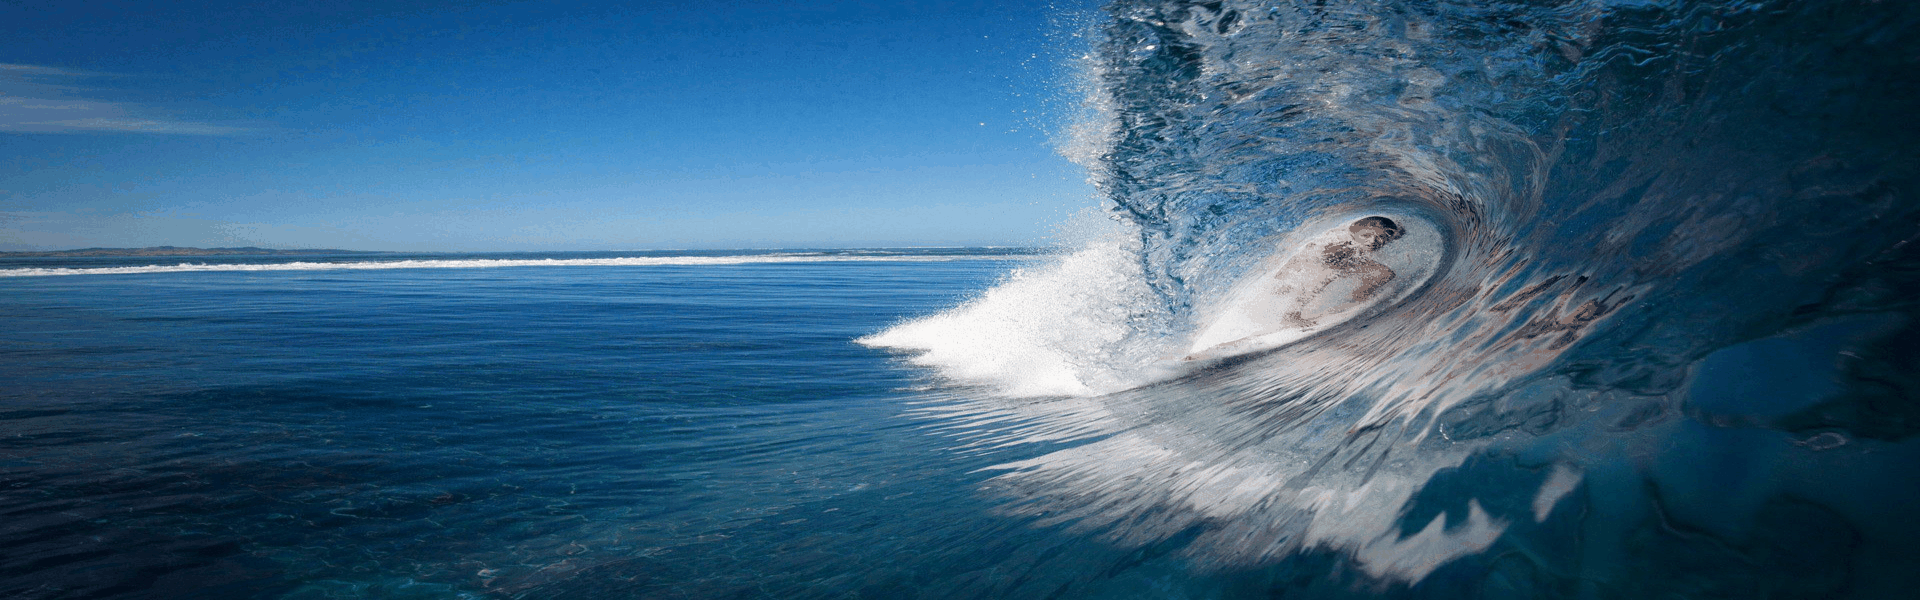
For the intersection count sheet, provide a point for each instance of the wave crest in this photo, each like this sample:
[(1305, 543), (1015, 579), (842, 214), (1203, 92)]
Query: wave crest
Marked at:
[(1622, 188)]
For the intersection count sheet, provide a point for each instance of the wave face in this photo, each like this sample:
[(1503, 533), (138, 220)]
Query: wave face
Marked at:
[(1666, 341)]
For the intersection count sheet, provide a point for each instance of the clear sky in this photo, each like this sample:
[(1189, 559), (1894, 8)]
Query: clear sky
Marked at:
[(534, 125)]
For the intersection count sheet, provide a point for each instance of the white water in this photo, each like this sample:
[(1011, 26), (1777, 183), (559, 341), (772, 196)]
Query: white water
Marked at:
[(1252, 316), (1080, 325)]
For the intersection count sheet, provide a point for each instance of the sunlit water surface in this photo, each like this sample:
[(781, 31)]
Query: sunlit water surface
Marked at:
[(540, 432)]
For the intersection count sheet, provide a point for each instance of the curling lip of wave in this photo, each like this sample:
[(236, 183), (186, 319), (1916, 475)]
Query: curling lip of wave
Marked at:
[(1606, 223), (641, 261)]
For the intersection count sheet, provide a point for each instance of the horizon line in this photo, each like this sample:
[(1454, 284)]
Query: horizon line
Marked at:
[(344, 250)]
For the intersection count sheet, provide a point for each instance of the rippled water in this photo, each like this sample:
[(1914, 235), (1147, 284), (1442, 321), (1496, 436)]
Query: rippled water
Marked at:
[(539, 432)]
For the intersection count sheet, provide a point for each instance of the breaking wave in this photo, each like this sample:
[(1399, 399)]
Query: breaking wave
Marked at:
[(1612, 218)]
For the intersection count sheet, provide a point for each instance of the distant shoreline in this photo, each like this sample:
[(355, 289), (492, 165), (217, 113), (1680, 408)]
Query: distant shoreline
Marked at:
[(179, 251)]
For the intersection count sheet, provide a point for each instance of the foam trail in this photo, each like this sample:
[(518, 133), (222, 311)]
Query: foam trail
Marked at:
[(647, 261)]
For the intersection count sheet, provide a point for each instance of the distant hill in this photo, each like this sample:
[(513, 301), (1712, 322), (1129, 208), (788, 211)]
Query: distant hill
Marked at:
[(178, 251)]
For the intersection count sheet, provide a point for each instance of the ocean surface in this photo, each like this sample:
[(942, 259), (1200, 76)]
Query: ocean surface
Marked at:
[(660, 429), (1403, 299)]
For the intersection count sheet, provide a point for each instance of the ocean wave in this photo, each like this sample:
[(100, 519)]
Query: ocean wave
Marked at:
[(1616, 193)]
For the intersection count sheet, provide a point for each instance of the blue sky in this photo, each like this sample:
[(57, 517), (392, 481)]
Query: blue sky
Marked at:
[(534, 126)]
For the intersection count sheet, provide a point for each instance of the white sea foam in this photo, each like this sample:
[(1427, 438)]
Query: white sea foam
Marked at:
[(636, 261), (1070, 327)]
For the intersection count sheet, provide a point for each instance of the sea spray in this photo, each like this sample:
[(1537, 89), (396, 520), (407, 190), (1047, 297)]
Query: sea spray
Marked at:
[(1082, 324)]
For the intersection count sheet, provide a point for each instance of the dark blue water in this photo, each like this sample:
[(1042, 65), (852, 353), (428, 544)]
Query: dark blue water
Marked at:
[(1654, 336), (540, 432)]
